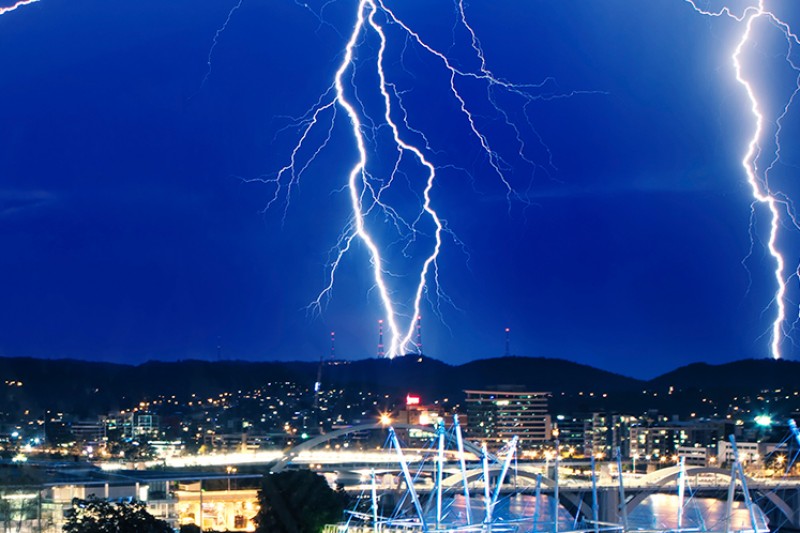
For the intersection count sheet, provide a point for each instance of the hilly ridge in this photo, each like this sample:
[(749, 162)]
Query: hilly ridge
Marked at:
[(82, 387)]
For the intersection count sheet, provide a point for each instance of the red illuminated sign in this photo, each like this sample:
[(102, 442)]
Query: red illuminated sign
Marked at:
[(412, 400)]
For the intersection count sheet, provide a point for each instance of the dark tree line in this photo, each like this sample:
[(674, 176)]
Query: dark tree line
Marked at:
[(298, 501), (94, 515)]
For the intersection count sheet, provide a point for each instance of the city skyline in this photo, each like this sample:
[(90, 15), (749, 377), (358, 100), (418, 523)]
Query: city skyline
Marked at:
[(135, 223)]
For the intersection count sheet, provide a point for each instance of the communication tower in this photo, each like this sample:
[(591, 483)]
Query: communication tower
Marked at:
[(381, 351)]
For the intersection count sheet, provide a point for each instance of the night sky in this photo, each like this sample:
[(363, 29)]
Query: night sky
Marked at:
[(131, 227)]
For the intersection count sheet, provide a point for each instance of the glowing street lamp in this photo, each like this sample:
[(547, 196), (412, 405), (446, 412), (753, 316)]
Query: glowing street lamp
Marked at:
[(764, 420), (230, 470)]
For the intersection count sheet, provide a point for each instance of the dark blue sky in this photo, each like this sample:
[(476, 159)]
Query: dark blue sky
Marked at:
[(129, 231)]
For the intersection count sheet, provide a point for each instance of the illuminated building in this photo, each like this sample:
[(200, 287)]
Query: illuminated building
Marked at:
[(605, 432), (663, 439), (221, 501), (749, 452), (571, 432), (695, 455), (418, 414), (241, 442), (217, 510), (134, 424), (495, 416), (87, 431)]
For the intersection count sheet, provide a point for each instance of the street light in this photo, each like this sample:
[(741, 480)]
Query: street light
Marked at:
[(548, 456), (779, 460), (230, 470)]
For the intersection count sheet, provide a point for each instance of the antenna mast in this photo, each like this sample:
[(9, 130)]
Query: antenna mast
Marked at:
[(381, 352)]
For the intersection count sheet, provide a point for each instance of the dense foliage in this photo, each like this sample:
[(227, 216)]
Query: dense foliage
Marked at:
[(298, 501), (101, 516)]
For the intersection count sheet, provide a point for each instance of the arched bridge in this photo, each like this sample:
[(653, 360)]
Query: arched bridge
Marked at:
[(292, 453), (772, 498), (781, 503)]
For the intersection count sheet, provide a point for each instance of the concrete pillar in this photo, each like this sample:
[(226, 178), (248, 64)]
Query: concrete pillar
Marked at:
[(608, 505)]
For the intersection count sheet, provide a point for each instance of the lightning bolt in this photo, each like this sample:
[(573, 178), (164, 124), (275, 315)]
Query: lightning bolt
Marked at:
[(776, 203), (368, 187), (215, 41), (21, 3)]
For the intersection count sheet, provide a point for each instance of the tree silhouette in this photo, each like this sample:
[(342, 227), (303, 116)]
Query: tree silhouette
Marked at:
[(297, 501), (101, 516)]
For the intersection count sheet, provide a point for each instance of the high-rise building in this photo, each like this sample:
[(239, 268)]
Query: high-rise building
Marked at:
[(605, 432), (571, 432), (495, 416)]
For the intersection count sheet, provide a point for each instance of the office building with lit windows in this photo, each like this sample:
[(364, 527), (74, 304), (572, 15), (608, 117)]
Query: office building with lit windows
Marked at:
[(495, 416)]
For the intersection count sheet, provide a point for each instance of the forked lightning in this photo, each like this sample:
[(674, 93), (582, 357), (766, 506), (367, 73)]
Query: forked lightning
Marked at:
[(756, 171), (367, 192)]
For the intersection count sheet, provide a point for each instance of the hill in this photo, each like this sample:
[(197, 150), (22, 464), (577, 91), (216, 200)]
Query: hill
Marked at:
[(747, 374), (83, 388)]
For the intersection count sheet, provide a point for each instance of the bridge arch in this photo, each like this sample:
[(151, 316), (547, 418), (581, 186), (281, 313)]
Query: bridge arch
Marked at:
[(291, 453), (664, 476)]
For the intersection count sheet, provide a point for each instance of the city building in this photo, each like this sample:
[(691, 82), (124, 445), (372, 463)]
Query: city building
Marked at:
[(218, 501), (133, 425), (217, 510), (495, 416), (604, 433), (88, 431), (663, 439), (242, 442), (571, 433), (696, 455), (752, 453), (416, 413)]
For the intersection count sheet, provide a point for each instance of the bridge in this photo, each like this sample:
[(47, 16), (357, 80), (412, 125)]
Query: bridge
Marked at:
[(293, 453), (780, 499)]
